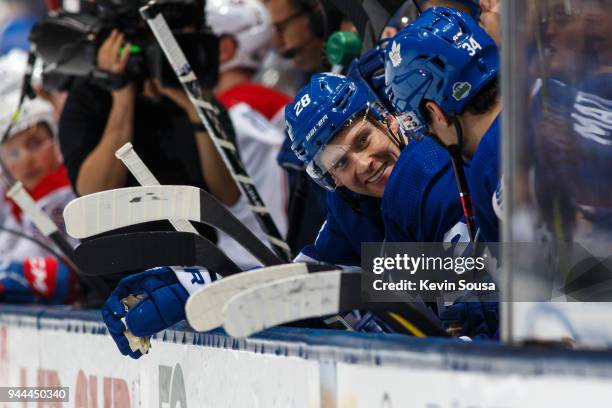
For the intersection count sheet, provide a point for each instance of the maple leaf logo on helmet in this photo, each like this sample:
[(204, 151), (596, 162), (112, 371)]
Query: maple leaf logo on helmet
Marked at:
[(395, 54)]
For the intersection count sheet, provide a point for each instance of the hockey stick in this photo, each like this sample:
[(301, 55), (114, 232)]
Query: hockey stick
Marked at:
[(314, 295), (204, 308), (145, 177), (144, 250), (105, 211), (464, 192), (209, 115), (47, 228), (26, 92)]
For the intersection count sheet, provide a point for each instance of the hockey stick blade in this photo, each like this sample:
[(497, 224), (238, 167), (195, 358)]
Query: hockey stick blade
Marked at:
[(315, 295), (144, 250), (105, 211), (204, 308)]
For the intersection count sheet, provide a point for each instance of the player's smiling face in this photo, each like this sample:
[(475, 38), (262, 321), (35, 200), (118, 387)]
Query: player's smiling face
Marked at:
[(361, 157)]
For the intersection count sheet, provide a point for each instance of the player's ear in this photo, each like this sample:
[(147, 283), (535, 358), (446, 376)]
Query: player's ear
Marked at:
[(227, 48), (436, 114)]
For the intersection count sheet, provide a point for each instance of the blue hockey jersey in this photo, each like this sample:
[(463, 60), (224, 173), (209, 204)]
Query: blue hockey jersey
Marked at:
[(345, 228), (421, 201), (421, 204), (483, 180)]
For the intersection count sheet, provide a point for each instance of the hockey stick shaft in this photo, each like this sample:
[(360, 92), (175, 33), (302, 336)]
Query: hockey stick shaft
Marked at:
[(145, 177), (41, 220), (464, 192), (48, 228), (25, 91), (208, 114)]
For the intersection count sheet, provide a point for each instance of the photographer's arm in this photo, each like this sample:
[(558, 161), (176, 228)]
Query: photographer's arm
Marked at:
[(100, 169), (216, 174), (218, 178)]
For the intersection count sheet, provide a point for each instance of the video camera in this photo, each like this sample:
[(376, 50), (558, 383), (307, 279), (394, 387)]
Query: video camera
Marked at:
[(68, 41)]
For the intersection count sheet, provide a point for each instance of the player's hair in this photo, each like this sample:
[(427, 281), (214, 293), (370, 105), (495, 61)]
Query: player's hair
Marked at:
[(480, 104), (485, 99)]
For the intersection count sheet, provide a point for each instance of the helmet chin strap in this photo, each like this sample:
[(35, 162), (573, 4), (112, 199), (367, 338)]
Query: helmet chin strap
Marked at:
[(396, 137), (459, 131)]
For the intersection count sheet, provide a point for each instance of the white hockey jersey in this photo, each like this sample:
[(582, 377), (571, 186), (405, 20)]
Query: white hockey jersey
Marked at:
[(252, 108)]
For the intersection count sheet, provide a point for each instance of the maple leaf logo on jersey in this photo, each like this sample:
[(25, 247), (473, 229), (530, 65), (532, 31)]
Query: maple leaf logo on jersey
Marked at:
[(498, 199), (394, 55)]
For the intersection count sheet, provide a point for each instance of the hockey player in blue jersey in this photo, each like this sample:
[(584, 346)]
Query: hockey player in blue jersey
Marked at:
[(349, 150), (441, 75), (338, 129)]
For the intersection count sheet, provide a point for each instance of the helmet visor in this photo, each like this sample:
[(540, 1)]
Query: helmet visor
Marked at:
[(347, 157)]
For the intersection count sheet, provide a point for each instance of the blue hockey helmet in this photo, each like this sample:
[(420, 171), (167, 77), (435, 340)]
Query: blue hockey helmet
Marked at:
[(444, 56), (319, 111)]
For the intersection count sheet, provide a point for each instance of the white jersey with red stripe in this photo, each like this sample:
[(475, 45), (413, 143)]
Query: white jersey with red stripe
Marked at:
[(251, 108)]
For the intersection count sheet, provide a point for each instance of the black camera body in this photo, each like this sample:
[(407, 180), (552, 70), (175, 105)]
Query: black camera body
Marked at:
[(68, 42)]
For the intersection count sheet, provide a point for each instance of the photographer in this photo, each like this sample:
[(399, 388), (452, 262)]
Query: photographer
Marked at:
[(160, 122)]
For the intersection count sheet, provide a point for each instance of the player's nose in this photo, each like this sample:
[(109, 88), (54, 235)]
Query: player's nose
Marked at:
[(278, 41), (364, 166)]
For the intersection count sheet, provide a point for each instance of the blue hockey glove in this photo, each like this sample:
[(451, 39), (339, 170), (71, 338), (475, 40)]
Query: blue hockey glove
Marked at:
[(476, 320), (147, 303)]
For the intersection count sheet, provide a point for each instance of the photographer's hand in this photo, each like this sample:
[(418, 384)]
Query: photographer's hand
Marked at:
[(119, 125), (179, 97), (215, 173), (110, 56)]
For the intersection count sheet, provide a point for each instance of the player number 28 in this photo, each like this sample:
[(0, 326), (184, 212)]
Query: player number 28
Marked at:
[(301, 104), (472, 46)]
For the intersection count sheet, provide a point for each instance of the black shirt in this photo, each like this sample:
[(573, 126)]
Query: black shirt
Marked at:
[(163, 137)]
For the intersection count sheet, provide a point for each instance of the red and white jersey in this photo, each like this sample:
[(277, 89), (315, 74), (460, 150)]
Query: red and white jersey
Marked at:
[(52, 194), (253, 108)]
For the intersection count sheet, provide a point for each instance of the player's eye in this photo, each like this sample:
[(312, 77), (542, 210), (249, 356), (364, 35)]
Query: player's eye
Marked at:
[(340, 164), (363, 141), (35, 143)]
